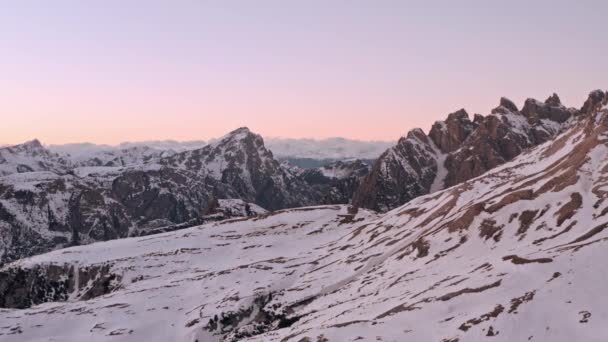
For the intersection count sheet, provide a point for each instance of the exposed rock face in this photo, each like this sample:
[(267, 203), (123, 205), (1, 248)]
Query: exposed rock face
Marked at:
[(403, 172), (462, 149), (448, 135), (336, 182), (23, 287), (596, 100), (552, 109)]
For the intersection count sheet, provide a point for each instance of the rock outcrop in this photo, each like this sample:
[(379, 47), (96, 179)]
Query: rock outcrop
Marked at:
[(461, 149)]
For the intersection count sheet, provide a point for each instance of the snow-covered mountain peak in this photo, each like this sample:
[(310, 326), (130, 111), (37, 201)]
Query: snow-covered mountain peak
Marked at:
[(30, 156), (236, 135), (31, 148)]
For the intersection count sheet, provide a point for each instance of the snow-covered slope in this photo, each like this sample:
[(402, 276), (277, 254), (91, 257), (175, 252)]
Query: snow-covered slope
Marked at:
[(516, 254)]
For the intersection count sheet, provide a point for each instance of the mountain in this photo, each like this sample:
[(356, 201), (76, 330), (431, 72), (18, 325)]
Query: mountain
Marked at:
[(458, 149), (47, 202), (30, 156), (515, 254), (241, 160)]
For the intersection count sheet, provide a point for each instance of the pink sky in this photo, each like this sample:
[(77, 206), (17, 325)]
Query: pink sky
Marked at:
[(107, 72)]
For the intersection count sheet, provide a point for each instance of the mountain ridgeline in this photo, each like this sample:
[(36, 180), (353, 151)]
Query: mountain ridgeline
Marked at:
[(461, 148), (51, 200), (515, 254)]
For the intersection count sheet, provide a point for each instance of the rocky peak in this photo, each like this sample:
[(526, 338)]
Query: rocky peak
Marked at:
[(505, 106), (468, 149), (595, 100), (238, 135), (505, 102), (448, 135), (553, 100), (32, 147), (551, 109), (417, 134)]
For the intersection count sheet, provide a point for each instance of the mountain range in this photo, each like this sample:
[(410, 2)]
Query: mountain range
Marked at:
[(52, 199), (508, 245)]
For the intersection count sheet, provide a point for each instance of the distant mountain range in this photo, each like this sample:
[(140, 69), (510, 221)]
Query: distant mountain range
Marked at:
[(315, 150)]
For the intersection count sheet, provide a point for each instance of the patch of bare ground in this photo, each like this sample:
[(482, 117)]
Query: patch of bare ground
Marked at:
[(399, 308), (464, 221), (517, 260), (345, 324), (569, 209), (563, 172), (444, 209), (357, 231), (445, 252), (121, 331), (466, 290), (577, 248), (590, 233), (516, 302), (491, 331), (558, 144), (489, 229), (554, 276), (498, 309), (421, 246), (349, 218), (451, 339), (457, 282), (525, 221), (434, 286), (401, 277), (563, 231), (513, 197), (413, 212), (484, 267)]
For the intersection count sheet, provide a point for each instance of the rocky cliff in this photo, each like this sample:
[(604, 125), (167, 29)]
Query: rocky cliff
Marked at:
[(461, 148)]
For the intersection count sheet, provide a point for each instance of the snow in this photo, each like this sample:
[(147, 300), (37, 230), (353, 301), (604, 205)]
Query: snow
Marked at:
[(442, 171)]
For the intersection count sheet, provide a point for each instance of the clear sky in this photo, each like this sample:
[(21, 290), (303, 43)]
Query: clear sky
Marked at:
[(115, 70)]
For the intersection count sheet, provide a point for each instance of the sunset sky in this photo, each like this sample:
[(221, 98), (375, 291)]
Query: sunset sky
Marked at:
[(112, 71)]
